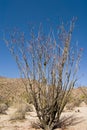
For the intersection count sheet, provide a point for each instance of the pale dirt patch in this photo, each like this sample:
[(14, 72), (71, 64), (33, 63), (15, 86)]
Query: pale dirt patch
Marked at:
[(6, 124)]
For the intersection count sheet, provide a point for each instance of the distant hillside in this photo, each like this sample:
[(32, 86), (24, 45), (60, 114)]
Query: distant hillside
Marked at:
[(79, 92), (14, 89), (11, 89), (78, 95)]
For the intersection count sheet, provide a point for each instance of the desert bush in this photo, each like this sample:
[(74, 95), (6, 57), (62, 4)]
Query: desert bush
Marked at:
[(27, 97), (69, 106), (64, 123), (73, 104), (6, 101), (84, 94), (48, 66), (83, 98), (22, 108), (75, 101), (25, 107), (1, 99), (18, 115)]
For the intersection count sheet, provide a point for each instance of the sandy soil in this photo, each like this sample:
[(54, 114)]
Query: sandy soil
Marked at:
[(78, 122)]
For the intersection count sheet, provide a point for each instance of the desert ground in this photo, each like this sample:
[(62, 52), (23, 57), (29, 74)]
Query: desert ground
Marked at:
[(13, 89), (78, 119)]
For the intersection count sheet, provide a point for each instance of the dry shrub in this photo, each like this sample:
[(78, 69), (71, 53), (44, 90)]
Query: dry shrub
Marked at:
[(27, 97), (63, 123), (3, 108), (18, 116), (5, 100), (48, 69), (73, 104), (22, 108), (67, 121), (69, 106), (25, 107)]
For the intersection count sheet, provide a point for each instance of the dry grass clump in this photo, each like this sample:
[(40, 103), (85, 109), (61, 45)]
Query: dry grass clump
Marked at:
[(18, 116), (3, 108), (71, 105), (25, 107), (22, 108)]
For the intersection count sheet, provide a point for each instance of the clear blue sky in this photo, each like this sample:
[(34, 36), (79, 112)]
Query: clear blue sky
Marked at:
[(18, 13)]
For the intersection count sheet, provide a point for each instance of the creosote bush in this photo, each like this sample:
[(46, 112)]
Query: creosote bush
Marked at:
[(48, 66)]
